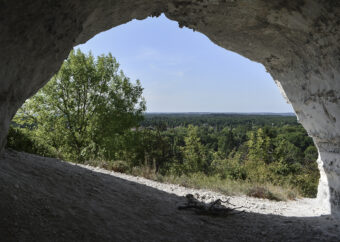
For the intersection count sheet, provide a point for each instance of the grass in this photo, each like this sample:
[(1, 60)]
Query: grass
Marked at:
[(201, 181), (234, 187)]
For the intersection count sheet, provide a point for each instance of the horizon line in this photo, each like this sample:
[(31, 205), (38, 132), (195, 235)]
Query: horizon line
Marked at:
[(207, 112)]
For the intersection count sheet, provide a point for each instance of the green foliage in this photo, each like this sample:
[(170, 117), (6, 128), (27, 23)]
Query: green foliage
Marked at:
[(258, 155), (286, 152), (194, 153), (230, 186), (83, 107), (310, 154), (226, 141), (259, 146), (228, 168), (261, 192), (21, 140)]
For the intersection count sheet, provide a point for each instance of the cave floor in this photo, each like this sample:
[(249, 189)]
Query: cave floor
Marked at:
[(44, 199)]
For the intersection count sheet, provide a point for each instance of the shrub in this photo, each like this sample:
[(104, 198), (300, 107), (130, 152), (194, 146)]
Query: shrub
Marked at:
[(120, 166), (307, 184), (23, 140), (262, 192), (144, 171), (229, 168)]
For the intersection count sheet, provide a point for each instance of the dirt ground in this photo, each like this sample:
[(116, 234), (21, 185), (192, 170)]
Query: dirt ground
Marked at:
[(44, 199)]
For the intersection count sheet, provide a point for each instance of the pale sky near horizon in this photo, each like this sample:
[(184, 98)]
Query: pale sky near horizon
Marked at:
[(183, 71)]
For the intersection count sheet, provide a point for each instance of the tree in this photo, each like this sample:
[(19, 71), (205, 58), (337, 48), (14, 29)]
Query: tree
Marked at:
[(226, 142), (84, 106), (194, 153), (311, 154), (259, 146), (286, 152)]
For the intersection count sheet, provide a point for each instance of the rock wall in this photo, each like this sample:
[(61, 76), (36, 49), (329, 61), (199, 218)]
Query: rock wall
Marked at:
[(297, 42)]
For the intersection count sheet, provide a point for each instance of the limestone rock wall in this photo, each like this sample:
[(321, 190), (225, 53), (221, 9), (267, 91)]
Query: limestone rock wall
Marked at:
[(297, 42)]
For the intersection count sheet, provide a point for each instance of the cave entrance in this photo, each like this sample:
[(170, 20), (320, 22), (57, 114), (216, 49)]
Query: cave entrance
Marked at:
[(184, 72)]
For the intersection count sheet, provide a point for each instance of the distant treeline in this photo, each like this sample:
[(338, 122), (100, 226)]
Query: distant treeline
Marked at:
[(217, 120)]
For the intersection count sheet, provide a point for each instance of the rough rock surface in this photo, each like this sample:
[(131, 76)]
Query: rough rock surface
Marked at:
[(45, 199), (297, 42)]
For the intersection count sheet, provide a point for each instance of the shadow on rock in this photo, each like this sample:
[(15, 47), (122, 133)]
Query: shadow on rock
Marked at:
[(44, 199)]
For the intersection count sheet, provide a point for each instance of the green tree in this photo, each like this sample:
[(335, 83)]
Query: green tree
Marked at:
[(84, 106), (286, 152), (226, 142), (311, 154), (194, 153), (259, 146)]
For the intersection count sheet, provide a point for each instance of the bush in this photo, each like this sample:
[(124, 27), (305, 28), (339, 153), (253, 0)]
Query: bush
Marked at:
[(23, 140), (307, 184), (262, 192), (144, 171), (257, 171), (229, 168), (120, 166)]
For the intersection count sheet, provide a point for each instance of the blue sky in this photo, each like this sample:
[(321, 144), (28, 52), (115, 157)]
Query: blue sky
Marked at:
[(183, 71)]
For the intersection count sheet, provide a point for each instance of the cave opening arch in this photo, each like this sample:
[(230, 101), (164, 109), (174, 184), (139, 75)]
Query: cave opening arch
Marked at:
[(296, 41), (183, 71)]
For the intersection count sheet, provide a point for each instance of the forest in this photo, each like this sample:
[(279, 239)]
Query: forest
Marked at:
[(258, 149), (91, 113)]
